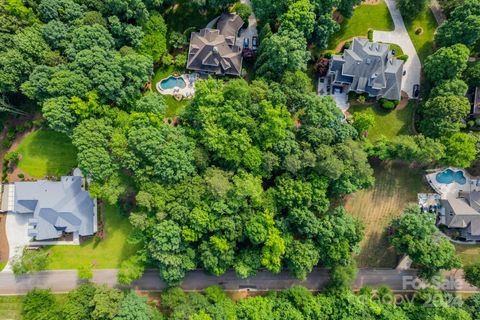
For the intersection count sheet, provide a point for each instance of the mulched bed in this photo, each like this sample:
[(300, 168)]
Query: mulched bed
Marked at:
[(3, 239)]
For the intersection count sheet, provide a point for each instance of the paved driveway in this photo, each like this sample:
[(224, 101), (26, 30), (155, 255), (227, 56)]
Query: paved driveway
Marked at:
[(17, 236), (400, 37), (250, 31)]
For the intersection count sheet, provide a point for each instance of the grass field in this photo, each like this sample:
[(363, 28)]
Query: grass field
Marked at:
[(46, 153), (174, 106), (10, 307), (395, 186), (423, 42), (469, 254), (108, 253), (364, 17), (389, 123)]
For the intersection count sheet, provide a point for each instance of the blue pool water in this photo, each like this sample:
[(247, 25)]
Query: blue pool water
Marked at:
[(172, 82), (449, 176)]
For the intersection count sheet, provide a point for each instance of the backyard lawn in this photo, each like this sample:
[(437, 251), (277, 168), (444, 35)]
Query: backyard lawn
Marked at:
[(46, 153), (389, 123), (469, 254), (108, 253), (423, 42), (365, 16), (174, 107), (396, 185), (183, 15)]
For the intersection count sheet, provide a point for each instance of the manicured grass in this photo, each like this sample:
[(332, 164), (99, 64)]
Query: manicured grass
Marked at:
[(2, 265), (107, 253), (389, 123), (11, 307), (396, 185), (174, 106), (46, 153), (423, 42), (365, 17), (469, 254)]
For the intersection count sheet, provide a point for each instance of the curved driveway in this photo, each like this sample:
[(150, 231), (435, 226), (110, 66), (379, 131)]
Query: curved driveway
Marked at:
[(400, 37)]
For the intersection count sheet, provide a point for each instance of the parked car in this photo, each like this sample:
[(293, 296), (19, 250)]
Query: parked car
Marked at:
[(254, 42), (416, 90), (246, 43), (404, 72)]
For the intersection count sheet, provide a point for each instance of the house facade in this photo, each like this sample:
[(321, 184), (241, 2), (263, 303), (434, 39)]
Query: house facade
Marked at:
[(456, 202), (367, 67), (214, 51), (54, 208)]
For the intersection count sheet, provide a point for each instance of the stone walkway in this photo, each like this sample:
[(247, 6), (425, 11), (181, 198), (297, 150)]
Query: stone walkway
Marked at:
[(400, 37)]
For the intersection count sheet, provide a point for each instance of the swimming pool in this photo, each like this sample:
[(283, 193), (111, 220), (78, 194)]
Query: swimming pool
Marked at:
[(172, 82), (449, 176)]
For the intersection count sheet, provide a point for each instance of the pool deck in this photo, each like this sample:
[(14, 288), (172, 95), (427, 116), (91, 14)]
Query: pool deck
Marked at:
[(452, 189), (188, 92)]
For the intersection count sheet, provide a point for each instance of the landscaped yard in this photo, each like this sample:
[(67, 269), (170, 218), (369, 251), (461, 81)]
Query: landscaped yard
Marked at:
[(365, 17), (389, 123), (183, 15), (423, 42), (107, 253), (46, 153), (395, 186), (174, 106)]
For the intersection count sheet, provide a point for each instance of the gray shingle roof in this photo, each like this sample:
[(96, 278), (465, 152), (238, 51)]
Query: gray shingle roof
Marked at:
[(214, 50), (368, 67), (57, 207)]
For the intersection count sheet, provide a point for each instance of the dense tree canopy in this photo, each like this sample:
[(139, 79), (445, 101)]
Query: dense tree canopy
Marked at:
[(416, 235), (447, 63)]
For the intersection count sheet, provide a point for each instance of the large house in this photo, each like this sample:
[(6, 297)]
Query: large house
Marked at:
[(53, 208), (367, 67), (214, 51), (456, 202)]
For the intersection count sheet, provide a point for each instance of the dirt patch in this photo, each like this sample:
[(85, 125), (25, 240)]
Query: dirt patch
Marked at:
[(13, 176), (337, 16), (3, 239)]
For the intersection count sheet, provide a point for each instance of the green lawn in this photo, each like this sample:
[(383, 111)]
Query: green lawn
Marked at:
[(469, 254), (46, 153), (364, 17), (174, 106), (108, 253), (423, 42), (10, 307), (396, 185), (388, 123)]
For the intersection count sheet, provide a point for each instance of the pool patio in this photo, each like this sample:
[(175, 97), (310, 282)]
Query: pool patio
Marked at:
[(453, 188), (180, 93)]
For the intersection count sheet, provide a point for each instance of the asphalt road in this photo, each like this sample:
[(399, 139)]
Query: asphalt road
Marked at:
[(65, 280)]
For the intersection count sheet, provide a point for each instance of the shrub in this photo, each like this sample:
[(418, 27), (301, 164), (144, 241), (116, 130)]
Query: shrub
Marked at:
[(347, 45), (21, 176), (167, 59), (387, 104), (403, 57), (352, 95), (328, 55), (370, 34), (361, 99), (39, 123), (419, 30), (85, 272), (29, 261), (181, 60)]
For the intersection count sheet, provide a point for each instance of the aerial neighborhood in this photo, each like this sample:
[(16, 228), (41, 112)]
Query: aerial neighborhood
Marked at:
[(239, 159)]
